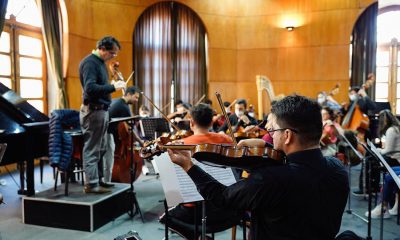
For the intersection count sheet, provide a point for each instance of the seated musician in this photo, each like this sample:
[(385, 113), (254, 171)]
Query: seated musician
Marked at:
[(329, 134), (144, 111), (240, 118), (119, 108), (219, 118), (181, 117), (325, 100), (303, 199), (200, 124)]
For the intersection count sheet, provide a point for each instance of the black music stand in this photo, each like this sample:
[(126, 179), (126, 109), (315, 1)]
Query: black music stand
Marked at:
[(131, 122), (152, 127), (348, 147), (375, 153), (3, 147)]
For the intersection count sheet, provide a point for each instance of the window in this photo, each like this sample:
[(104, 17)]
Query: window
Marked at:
[(22, 57), (169, 54), (388, 59)]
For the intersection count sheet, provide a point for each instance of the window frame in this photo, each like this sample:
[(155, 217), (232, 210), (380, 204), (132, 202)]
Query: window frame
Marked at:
[(15, 29)]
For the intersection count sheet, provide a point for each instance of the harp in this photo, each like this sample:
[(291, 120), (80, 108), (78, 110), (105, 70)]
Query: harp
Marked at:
[(266, 95)]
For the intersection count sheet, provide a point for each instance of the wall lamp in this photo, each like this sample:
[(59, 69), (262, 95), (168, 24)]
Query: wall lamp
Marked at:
[(290, 28)]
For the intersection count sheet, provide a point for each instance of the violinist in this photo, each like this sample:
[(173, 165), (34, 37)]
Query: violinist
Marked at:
[(219, 119), (303, 199), (200, 124), (181, 116), (119, 108), (93, 112), (329, 134), (240, 118)]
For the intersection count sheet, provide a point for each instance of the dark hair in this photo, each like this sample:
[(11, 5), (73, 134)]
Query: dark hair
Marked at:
[(330, 112), (387, 120), (208, 101), (202, 115), (132, 90), (302, 114), (226, 104), (177, 102), (354, 88), (187, 105), (144, 108), (108, 42), (242, 101)]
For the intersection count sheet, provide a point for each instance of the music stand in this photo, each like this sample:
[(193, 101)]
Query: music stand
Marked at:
[(153, 126), (349, 145), (374, 152), (131, 122), (3, 147)]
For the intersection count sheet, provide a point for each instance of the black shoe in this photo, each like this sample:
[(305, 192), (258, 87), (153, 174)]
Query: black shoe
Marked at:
[(106, 185), (358, 193)]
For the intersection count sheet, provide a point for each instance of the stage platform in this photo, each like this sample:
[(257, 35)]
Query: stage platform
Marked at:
[(78, 210)]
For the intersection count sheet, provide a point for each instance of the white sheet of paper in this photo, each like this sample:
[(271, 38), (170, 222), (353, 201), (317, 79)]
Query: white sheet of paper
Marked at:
[(179, 187)]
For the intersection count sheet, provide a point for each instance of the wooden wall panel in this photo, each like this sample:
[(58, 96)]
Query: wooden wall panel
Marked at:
[(246, 38)]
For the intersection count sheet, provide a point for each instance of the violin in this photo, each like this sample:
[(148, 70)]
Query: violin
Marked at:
[(152, 148), (221, 155)]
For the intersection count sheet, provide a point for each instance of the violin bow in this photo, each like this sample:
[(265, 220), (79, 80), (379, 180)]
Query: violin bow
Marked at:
[(199, 101), (162, 114), (221, 104)]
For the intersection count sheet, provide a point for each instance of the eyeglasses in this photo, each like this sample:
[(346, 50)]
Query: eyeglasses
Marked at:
[(113, 53), (271, 131)]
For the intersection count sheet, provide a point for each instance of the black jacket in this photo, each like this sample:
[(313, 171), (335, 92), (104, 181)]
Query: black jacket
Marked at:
[(303, 199), (235, 122)]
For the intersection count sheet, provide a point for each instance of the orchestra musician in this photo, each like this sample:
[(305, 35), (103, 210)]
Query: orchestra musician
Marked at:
[(303, 199), (94, 117), (389, 131), (181, 116), (240, 118), (329, 134), (200, 123), (119, 108), (144, 111)]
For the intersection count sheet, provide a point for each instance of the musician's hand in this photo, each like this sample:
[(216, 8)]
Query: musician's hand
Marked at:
[(181, 158), (362, 92), (253, 142), (251, 128), (178, 119), (118, 85), (245, 119), (178, 142)]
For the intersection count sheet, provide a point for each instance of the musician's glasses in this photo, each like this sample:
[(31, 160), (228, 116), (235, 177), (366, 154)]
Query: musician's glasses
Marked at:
[(271, 131)]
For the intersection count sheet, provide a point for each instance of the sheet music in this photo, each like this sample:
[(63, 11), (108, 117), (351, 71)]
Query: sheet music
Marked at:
[(179, 187)]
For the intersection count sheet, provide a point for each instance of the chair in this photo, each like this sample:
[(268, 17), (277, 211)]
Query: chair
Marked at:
[(63, 155)]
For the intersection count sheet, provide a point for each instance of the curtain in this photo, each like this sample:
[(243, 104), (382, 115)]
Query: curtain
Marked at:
[(169, 47), (363, 58), (152, 54), (190, 55), (52, 32), (3, 10)]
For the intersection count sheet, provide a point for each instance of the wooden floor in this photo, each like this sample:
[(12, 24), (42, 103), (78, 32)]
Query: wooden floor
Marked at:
[(149, 194)]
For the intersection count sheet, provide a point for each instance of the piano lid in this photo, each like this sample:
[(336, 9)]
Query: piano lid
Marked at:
[(18, 108)]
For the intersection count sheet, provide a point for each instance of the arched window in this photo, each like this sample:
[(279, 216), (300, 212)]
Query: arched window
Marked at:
[(22, 54), (388, 58), (169, 53)]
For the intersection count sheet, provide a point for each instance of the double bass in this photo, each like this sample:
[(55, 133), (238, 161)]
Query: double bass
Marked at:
[(126, 157)]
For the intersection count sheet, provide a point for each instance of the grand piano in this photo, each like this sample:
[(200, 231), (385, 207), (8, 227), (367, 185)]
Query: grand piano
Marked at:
[(26, 132)]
